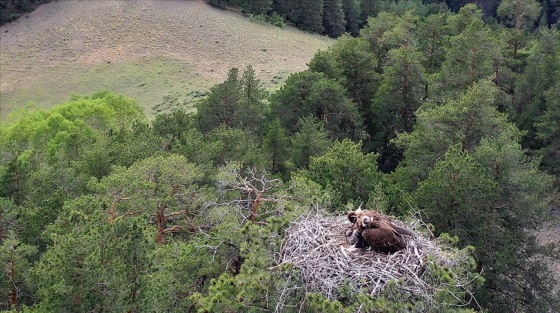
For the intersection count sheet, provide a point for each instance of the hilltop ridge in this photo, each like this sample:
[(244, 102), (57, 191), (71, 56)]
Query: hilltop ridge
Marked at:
[(162, 53)]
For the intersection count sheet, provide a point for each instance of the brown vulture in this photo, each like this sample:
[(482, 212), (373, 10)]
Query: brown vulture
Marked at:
[(376, 231)]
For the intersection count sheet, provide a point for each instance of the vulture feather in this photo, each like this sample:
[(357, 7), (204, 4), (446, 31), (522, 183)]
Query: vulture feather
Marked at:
[(377, 231)]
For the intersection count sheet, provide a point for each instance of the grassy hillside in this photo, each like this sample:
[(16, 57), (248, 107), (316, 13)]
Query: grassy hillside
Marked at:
[(162, 53)]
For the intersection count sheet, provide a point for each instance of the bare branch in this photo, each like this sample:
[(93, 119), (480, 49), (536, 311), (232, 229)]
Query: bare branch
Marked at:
[(256, 187), (174, 229)]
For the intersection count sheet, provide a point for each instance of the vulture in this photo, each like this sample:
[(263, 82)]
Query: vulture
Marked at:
[(376, 231)]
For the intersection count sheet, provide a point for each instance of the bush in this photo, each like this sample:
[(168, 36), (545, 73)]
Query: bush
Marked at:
[(274, 19)]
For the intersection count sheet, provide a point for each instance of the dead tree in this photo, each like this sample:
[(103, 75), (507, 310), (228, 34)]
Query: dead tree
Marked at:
[(255, 189)]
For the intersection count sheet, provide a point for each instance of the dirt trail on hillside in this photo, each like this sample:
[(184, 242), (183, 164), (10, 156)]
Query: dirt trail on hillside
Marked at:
[(71, 37)]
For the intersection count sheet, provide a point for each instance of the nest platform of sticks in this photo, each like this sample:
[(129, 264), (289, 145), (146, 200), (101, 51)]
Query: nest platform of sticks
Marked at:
[(317, 246)]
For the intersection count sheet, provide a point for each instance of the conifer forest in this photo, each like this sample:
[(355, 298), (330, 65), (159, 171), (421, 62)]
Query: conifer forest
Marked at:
[(443, 115)]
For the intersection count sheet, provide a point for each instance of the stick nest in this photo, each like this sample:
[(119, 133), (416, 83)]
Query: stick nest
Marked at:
[(317, 246)]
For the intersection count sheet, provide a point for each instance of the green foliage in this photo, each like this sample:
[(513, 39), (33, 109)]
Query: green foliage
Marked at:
[(283, 7), (71, 125), (465, 121), (519, 17), (127, 146), (351, 10), (347, 172), (12, 9), (51, 155), (398, 97), (245, 243), (432, 33), (389, 31), (175, 271), (254, 288), (308, 193), (311, 94), (333, 18), (470, 56), (458, 198), (15, 256), (550, 12), (276, 20), (469, 195), (103, 211), (272, 19), (531, 99), (307, 15), (102, 245), (253, 100), (92, 264), (13, 174), (311, 140), (222, 104), (16, 260), (519, 14), (224, 145), (256, 6), (353, 65), (222, 4), (235, 103), (173, 125), (548, 131), (471, 168), (277, 145), (318, 303), (368, 8)]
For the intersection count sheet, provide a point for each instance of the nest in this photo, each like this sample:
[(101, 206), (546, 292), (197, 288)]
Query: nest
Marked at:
[(317, 246)]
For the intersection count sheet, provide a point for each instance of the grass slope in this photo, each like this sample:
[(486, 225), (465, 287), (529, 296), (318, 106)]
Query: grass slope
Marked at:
[(162, 53)]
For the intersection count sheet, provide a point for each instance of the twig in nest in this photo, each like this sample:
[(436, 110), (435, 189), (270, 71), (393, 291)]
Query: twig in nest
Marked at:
[(316, 245)]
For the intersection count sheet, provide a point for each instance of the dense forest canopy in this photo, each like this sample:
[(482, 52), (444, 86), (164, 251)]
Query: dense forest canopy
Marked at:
[(12, 9), (336, 17), (451, 114)]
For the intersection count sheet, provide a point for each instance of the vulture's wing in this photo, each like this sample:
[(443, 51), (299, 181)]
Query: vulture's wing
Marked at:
[(401, 230), (383, 239), (385, 222)]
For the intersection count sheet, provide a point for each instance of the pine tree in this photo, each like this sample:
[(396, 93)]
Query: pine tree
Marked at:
[(351, 174), (311, 140), (548, 132), (519, 18), (257, 6), (545, 13), (456, 122), (351, 10), (252, 108), (376, 32), (311, 94), (398, 97), (368, 8), (431, 37), (308, 15), (283, 7), (333, 18), (470, 56), (530, 100), (350, 62), (276, 143), (467, 143), (221, 105), (235, 103)]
